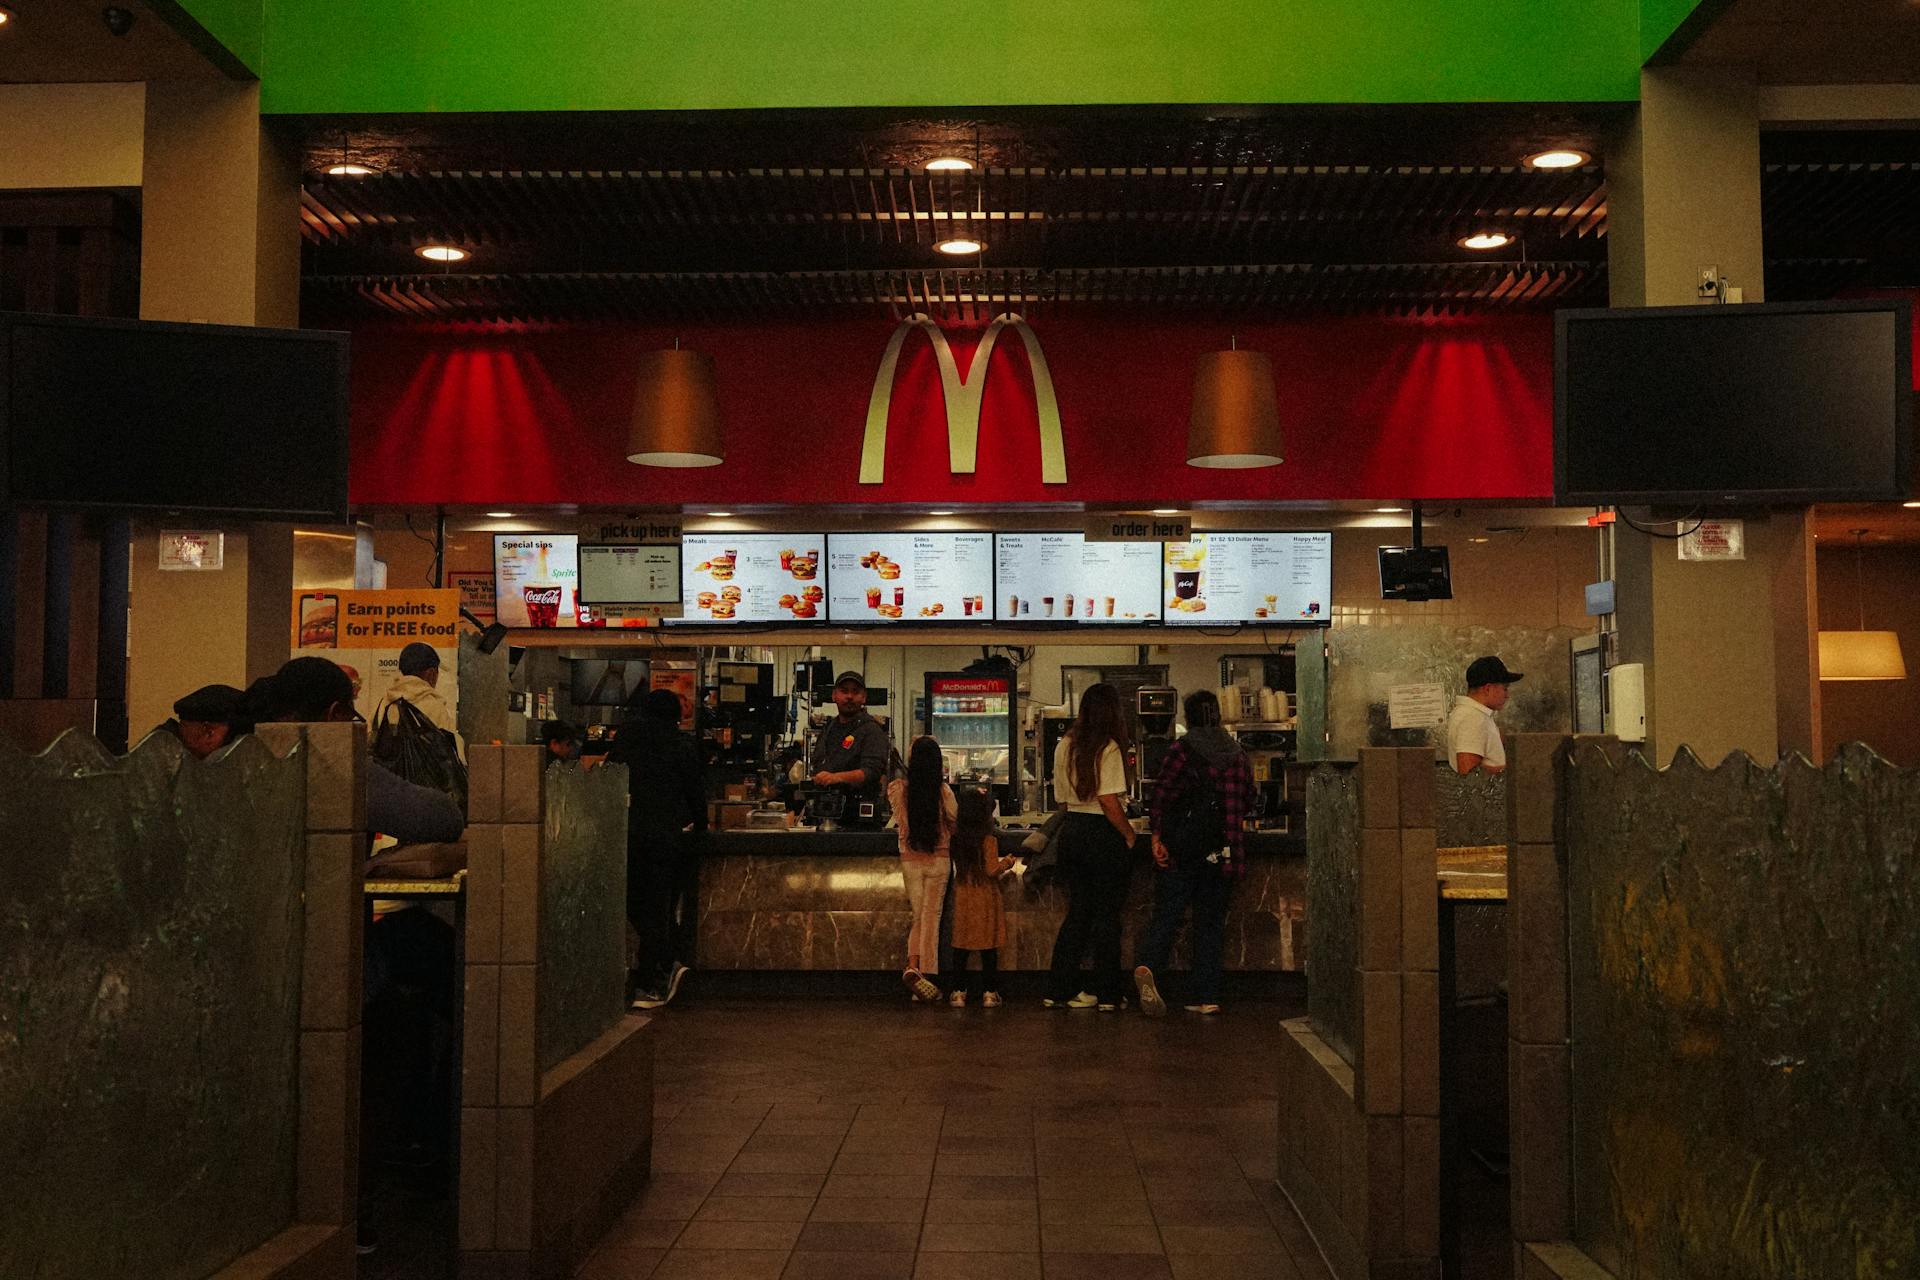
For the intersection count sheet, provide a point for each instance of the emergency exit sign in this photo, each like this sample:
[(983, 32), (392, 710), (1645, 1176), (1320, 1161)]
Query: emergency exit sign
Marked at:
[(1138, 526)]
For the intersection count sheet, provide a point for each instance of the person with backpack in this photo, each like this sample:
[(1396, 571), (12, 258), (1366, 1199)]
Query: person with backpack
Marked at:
[(666, 829), (419, 684), (1198, 820)]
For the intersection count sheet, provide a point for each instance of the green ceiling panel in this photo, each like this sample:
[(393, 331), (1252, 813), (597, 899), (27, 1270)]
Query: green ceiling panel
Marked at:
[(1659, 19), (236, 24), (554, 55)]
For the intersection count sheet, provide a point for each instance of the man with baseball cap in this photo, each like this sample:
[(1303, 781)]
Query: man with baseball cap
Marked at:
[(1473, 740), (851, 752)]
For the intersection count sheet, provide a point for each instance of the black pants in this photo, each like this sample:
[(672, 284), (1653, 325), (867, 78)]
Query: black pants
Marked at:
[(663, 890), (1098, 866), (1206, 889), (985, 978)]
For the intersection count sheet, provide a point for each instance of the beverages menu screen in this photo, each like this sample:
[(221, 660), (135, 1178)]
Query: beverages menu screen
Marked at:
[(909, 577), (1267, 579), (753, 577), (536, 579), (1061, 577)]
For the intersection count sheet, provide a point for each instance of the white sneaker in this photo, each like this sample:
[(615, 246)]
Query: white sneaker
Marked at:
[(1108, 1006), (958, 999), (1151, 1003), (991, 1000), (648, 1000), (674, 979), (1207, 1010), (922, 989), (1085, 1000)]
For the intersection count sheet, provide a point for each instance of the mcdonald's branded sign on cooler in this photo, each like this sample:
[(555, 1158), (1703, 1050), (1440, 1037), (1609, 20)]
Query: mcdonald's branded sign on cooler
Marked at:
[(962, 397)]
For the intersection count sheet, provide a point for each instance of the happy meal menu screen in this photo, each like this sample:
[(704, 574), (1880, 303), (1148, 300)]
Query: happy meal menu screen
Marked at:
[(753, 577)]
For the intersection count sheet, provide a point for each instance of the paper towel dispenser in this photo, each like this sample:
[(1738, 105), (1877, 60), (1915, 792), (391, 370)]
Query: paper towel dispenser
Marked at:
[(1627, 702)]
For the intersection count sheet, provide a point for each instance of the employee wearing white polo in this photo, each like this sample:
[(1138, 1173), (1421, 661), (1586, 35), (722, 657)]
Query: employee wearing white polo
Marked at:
[(1473, 740)]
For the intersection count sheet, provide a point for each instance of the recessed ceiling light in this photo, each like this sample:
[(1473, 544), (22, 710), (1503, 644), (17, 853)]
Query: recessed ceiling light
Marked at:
[(1164, 511), (948, 164), (6, 16), (1388, 511), (349, 170), (1558, 158), (499, 515), (960, 244), (1486, 240), (939, 513), (1479, 539), (1910, 504), (719, 515), (441, 253)]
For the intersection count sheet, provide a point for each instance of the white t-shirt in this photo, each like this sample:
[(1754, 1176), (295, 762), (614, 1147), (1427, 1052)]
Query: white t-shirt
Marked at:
[(1471, 731), (1113, 778)]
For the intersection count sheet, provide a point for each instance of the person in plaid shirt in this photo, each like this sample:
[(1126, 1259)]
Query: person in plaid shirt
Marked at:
[(1204, 775)]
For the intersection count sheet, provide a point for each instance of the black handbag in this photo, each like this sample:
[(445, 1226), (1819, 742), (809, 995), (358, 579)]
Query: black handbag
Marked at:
[(1196, 822), (419, 750)]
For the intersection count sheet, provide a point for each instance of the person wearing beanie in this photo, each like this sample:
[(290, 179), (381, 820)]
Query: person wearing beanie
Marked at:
[(666, 818), (419, 684)]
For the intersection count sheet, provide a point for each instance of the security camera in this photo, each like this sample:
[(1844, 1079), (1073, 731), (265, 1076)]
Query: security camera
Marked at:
[(118, 20)]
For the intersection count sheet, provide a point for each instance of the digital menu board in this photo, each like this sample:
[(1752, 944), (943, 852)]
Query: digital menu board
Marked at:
[(753, 577), (909, 577), (620, 574), (1061, 577), (1260, 578), (536, 579)]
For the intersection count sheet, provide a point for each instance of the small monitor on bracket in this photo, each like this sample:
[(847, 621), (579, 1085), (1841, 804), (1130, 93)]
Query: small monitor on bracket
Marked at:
[(1415, 573)]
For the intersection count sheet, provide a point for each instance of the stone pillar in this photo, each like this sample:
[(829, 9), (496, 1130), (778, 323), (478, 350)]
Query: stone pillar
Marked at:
[(1684, 194)]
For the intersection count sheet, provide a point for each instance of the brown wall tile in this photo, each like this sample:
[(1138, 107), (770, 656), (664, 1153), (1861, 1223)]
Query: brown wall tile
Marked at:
[(1419, 900), (330, 944), (1531, 764), (1541, 1169), (513, 1198), (485, 888), (1420, 1044), (1386, 1187), (1421, 1204), (480, 1031), (1379, 787), (520, 782), (1381, 885), (520, 894), (1537, 945), (336, 779), (327, 1163), (484, 781), (1417, 786), (1377, 1068), (519, 1078), (479, 1171)]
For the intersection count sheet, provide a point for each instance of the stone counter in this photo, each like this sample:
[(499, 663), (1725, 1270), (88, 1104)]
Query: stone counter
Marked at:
[(782, 901)]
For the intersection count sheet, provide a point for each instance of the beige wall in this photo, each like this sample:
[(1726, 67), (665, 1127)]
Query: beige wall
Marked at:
[(55, 136), (1884, 714)]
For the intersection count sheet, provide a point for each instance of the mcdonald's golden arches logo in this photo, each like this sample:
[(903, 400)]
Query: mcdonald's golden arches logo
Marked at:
[(962, 397)]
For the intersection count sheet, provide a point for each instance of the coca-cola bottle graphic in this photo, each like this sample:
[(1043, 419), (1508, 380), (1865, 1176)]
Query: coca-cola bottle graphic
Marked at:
[(543, 606)]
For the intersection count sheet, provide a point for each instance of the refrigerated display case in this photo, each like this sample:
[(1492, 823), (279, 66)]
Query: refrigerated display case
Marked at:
[(975, 720)]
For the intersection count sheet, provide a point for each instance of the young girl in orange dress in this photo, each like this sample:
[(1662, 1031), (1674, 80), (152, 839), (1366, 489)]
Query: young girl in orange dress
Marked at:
[(979, 920)]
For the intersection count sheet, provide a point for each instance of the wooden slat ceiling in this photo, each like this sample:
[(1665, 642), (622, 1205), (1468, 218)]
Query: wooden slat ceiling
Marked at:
[(1278, 213)]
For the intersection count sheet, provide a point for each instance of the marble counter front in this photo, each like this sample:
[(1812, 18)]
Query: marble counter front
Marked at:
[(768, 903)]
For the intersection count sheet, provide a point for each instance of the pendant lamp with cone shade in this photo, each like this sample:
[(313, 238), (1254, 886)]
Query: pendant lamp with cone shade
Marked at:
[(1861, 654), (676, 413), (1235, 421)]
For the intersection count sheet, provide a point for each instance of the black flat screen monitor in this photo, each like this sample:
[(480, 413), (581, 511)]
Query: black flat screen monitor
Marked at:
[(1792, 403), (136, 415), (605, 682), (1415, 573)]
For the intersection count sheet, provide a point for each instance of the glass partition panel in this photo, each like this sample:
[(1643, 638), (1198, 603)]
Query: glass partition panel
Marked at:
[(1745, 966), (1333, 905), (149, 1007), (583, 943)]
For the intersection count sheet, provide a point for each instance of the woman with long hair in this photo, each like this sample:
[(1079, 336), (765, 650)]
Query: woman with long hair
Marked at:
[(979, 919), (1096, 851), (924, 810)]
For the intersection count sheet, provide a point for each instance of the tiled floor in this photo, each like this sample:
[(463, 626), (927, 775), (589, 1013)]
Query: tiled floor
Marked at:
[(872, 1140)]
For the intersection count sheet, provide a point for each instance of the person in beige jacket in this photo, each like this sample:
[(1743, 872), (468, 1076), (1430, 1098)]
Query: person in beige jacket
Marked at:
[(418, 684)]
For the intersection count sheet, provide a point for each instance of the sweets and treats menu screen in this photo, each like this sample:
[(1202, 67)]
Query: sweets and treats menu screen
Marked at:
[(1259, 578), (909, 577), (753, 577), (536, 579), (1061, 577)]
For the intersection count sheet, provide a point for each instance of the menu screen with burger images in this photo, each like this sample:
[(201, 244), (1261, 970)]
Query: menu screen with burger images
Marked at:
[(536, 579), (1265, 579), (753, 577), (1061, 577), (909, 577)]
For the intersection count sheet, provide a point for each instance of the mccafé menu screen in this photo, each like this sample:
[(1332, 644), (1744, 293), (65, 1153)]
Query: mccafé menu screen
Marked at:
[(753, 577), (536, 579), (1265, 579), (909, 577), (1061, 577)]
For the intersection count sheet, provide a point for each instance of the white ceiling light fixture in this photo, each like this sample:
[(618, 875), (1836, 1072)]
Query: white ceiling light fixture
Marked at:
[(349, 169), (1557, 158), (1861, 654), (719, 515), (1481, 241), (948, 164), (955, 246), (499, 515), (442, 253)]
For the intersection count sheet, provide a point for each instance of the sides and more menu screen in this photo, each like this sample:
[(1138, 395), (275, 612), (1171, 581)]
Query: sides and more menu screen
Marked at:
[(909, 577), (752, 577), (536, 579), (1257, 578), (1061, 577)]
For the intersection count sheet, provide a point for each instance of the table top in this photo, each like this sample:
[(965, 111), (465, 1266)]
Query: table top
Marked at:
[(451, 886), (1473, 873)]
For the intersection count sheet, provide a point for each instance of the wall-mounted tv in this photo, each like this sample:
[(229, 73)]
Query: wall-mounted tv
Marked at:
[(1060, 577), (536, 579), (753, 577), (1795, 402), (138, 415), (935, 576), (1230, 578), (1415, 573)]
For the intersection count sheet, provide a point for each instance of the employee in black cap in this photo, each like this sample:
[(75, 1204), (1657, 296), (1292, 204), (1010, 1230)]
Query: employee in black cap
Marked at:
[(1473, 740), (852, 749)]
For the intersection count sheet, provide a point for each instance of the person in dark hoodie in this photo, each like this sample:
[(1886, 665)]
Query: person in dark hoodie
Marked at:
[(1199, 812), (666, 816)]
